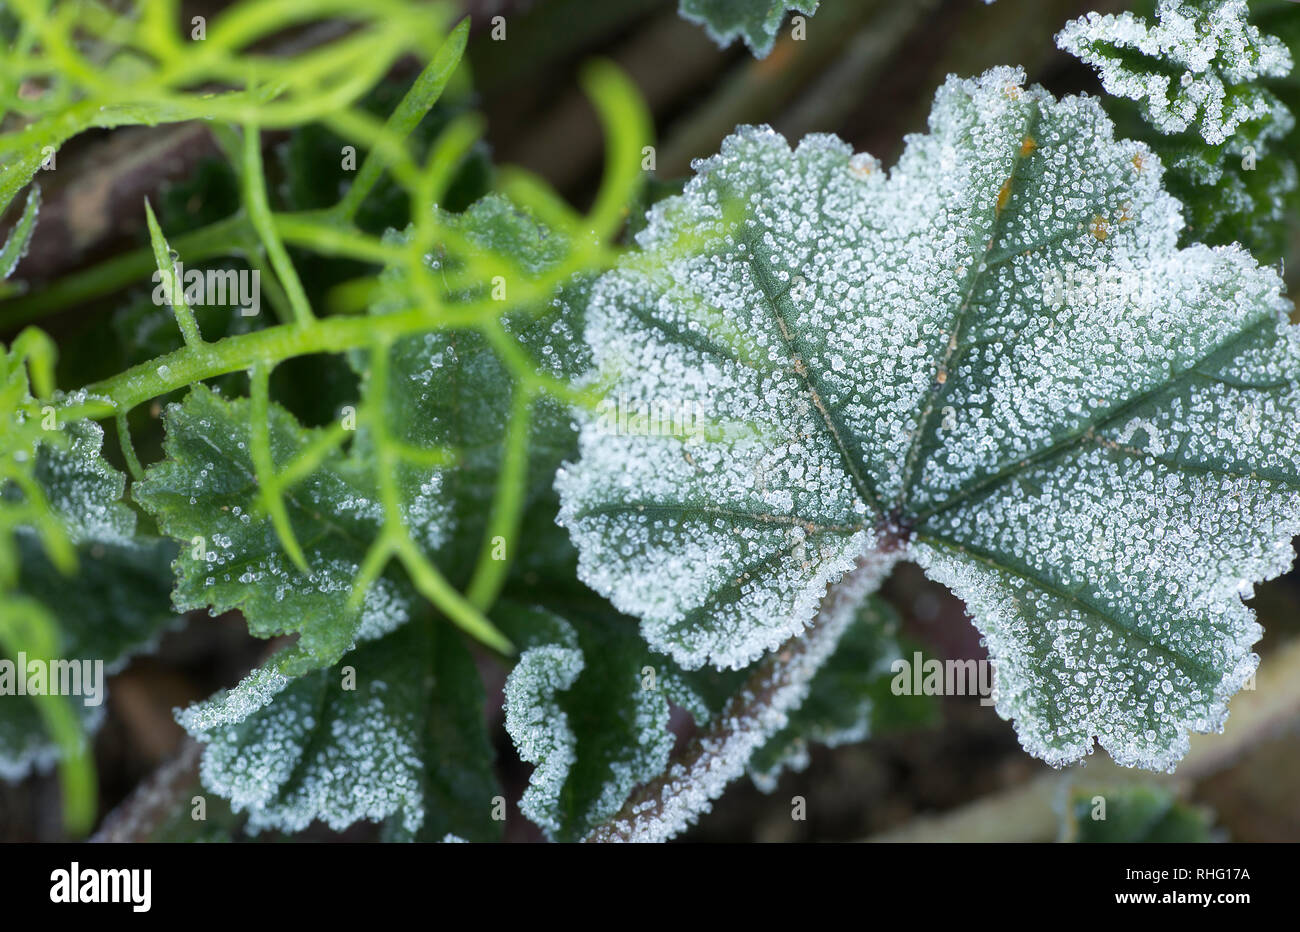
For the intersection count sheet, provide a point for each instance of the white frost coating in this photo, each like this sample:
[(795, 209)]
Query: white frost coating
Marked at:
[(755, 21), (1117, 611), (232, 706), (1216, 48), (996, 349), (316, 751), (81, 485), (540, 729), (687, 789), (624, 733)]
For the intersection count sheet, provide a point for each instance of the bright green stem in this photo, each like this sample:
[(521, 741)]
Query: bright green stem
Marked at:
[(419, 100), (507, 507), (259, 213)]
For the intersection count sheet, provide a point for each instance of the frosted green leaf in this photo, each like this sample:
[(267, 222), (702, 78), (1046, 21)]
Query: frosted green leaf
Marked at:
[(405, 742), (107, 604), (582, 706), (446, 392), (1194, 68), (82, 488), (755, 21), (1209, 90), (450, 389), (993, 357), (206, 496)]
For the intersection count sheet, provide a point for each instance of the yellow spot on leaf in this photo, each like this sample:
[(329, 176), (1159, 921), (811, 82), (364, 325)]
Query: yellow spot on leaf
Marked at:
[(1098, 227), (1027, 146), (1004, 196)]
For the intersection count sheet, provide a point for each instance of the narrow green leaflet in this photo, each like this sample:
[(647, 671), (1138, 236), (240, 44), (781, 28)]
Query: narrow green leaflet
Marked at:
[(755, 21), (205, 495), (15, 245), (395, 732), (1133, 815), (995, 357), (101, 79)]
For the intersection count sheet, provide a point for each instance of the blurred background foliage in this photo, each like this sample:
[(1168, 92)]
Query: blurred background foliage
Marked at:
[(866, 70)]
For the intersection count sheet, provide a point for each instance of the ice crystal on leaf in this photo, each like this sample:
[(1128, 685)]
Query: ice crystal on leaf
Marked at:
[(449, 389), (405, 741), (849, 698), (206, 496), (289, 743), (755, 21), (995, 357), (585, 705), (1218, 52), (1207, 87), (118, 607)]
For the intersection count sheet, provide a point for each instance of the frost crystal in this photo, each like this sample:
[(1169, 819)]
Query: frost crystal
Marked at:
[(995, 357), (755, 21), (1210, 43), (539, 729), (395, 733), (583, 686)]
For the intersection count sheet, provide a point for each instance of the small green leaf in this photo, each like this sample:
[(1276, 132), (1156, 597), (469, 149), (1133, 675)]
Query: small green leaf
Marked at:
[(1195, 68), (115, 607), (755, 21), (394, 732), (1208, 87), (451, 389), (206, 497), (1133, 815), (585, 704)]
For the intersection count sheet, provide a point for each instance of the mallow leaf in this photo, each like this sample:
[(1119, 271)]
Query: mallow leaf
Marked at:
[(205, 494), (451, 389), (755, 21), (115, 607), (1205, 87), (110, 605), (1194, 68), (588, 705), (993, 357), (269, 749), (395, 733)]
